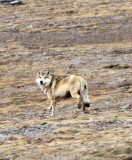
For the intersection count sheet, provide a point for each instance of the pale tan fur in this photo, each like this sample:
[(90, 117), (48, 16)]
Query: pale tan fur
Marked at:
[(57, 88)]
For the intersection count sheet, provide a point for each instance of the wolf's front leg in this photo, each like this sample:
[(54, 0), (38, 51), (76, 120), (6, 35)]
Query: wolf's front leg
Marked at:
[(53, 108)]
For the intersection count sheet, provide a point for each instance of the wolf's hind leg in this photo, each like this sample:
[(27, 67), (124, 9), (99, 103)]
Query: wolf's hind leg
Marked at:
[(83, 107), (76, 95)]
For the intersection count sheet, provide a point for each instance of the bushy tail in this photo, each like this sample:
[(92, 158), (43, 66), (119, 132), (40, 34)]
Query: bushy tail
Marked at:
[(84, 93)]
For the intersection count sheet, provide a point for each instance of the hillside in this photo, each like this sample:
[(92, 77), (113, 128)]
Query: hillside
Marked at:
[(88, 38)]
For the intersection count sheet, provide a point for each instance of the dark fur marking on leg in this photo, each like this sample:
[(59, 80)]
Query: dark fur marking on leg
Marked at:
[(78, 92), (85, 87)]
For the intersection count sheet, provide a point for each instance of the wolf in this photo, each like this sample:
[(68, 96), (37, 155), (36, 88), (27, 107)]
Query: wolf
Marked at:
[(61, 87)]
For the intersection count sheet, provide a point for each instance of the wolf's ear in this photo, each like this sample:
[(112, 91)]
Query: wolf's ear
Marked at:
[(38, 73)]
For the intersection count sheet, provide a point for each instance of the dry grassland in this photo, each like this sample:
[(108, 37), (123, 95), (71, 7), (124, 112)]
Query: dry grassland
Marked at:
[(89, 38)]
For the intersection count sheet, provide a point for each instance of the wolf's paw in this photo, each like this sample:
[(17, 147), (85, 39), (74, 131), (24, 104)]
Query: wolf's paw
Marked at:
[(79, 106), (49, 108), (51, 115)]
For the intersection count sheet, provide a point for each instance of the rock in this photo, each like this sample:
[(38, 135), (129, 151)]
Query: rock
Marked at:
[(11, 2), (2, 137)]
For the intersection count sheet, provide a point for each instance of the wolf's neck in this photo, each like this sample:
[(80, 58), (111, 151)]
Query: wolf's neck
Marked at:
[(44, 89)]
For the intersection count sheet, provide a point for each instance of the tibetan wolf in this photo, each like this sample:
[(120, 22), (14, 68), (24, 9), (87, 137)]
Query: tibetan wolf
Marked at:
[(62, 87)]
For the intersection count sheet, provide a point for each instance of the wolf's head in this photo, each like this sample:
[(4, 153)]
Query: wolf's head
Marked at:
[(43, 79)]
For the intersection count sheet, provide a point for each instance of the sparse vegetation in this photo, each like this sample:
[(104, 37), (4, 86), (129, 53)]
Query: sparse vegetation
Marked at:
[(128, 150), (44, 123)]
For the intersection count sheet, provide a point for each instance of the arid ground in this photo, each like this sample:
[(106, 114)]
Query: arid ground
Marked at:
[(91, 38)]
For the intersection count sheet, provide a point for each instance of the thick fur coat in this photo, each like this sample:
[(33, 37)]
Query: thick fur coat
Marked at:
[(60, 87)]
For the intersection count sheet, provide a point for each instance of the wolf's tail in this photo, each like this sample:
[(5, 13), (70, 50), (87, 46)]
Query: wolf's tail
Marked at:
[(84, 93)]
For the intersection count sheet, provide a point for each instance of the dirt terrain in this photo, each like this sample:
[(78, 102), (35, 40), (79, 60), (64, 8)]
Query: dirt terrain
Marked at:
[(88, 38)]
